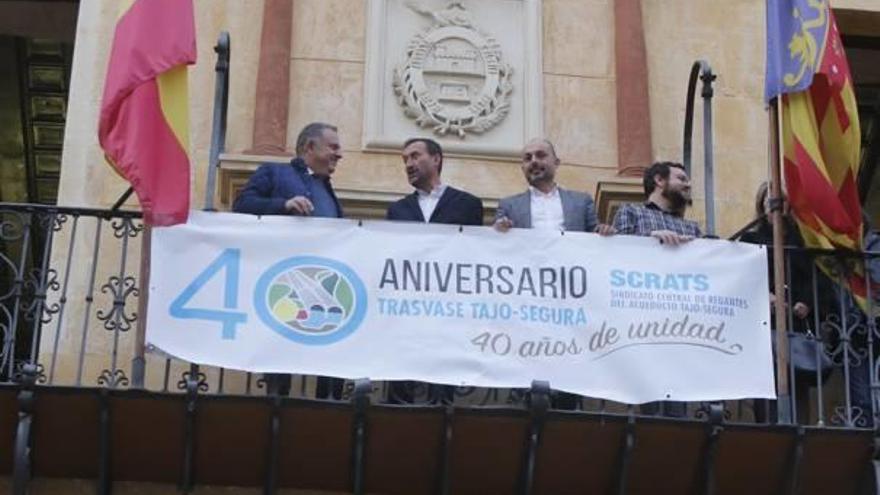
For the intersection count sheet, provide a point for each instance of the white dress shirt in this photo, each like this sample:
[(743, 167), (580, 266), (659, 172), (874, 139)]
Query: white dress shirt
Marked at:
[(547, 210), (428, 200)]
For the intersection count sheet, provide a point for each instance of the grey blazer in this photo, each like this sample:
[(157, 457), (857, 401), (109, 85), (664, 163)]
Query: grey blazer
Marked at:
[(578, 210)]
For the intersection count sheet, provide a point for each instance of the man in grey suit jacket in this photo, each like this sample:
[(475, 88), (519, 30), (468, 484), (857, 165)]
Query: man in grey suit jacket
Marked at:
[(545, 205)]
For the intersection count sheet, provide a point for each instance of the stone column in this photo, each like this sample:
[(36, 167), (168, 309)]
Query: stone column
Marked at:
[(273, 80), (633, 105)]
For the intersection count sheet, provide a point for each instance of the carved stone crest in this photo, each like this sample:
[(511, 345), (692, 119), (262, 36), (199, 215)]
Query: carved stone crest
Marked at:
[(454, 79)]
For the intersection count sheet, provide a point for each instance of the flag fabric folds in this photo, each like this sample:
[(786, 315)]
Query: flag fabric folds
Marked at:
[(807, 69), (143, 126)]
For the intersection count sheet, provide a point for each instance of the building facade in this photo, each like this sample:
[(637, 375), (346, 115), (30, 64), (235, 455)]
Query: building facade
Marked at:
[(604, 80)]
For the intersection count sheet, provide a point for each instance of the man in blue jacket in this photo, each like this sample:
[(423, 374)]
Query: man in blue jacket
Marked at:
[(301, 187)]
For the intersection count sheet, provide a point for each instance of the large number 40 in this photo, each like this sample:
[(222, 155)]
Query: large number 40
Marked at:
[(228, 261)]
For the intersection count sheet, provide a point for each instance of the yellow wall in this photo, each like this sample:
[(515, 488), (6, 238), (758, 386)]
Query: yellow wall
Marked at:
[(327, 77), (327, 73)]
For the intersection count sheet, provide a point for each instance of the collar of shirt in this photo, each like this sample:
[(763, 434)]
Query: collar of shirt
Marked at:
[(428, 200), (324, 179), (299, 162), (537, 193), (434, 194), (546, 210), (654, 206)]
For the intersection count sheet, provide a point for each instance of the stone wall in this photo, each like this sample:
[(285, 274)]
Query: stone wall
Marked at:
[(327, 83)]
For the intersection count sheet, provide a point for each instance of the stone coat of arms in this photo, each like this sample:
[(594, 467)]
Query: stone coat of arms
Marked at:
[(454, 79)]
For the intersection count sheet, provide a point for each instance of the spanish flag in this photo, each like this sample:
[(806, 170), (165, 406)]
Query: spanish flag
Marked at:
[(144, 122), (808, 70)]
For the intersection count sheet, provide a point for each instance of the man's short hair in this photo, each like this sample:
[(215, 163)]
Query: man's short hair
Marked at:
[(549, 145), (658, 168), (433, 147), (311, 132)]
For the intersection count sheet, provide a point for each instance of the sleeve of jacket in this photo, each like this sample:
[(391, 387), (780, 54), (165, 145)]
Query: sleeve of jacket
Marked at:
[(475, 211), (503, 209), (590, 220), (256, 196), (390, 213)]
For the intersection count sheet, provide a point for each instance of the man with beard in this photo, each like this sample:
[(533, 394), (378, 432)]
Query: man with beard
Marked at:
[(545, 205), (432, 201), (668, 192), (301, 187)]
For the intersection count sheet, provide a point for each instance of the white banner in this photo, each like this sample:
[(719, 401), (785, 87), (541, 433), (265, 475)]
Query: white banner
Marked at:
[(620, 318)]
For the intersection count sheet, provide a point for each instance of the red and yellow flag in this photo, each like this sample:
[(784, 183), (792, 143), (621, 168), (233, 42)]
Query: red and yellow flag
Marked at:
[(144, 122), (820, 132)]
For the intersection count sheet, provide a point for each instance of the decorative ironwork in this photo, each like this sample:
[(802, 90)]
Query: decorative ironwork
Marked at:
[(13, 230), (35, 288), (27, 372), (6, 340), (707, 409), (38, 285), (200, 379), (113, 379), (844, 335), (58, 221), (121, 289), (126, 227), (856, 417)]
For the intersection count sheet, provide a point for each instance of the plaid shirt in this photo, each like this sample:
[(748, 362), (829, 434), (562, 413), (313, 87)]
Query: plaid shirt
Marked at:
[(643, 219)]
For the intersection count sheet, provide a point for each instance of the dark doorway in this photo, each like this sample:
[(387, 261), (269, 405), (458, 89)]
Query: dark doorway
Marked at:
[(36, 48), (864, 54)]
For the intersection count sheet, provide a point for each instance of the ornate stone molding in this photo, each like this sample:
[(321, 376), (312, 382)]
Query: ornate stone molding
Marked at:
[(454, 80), (467, 73)]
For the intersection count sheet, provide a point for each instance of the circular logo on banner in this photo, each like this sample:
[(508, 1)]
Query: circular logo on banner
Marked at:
[(311, 300)]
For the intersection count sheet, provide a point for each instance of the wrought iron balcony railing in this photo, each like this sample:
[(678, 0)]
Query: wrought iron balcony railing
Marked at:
[(71, 327), (71, 309)]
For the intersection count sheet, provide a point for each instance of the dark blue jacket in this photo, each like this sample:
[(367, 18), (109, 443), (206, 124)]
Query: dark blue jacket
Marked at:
[(273, 184), (454, 207)]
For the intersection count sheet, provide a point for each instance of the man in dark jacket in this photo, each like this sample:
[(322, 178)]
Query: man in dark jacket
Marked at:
[(301, 187), (432, 201)]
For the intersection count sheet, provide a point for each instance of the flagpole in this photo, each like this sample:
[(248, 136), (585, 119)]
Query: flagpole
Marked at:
[(784, 412)]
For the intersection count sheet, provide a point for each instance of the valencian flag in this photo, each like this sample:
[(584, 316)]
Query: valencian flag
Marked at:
[(808, 71), (144, 124)]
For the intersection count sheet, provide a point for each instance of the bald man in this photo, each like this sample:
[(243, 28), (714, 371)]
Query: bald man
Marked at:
[(545, 205)]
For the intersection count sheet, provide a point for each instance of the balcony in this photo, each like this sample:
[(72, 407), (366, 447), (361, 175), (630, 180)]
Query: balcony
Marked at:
[(81, 398)]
